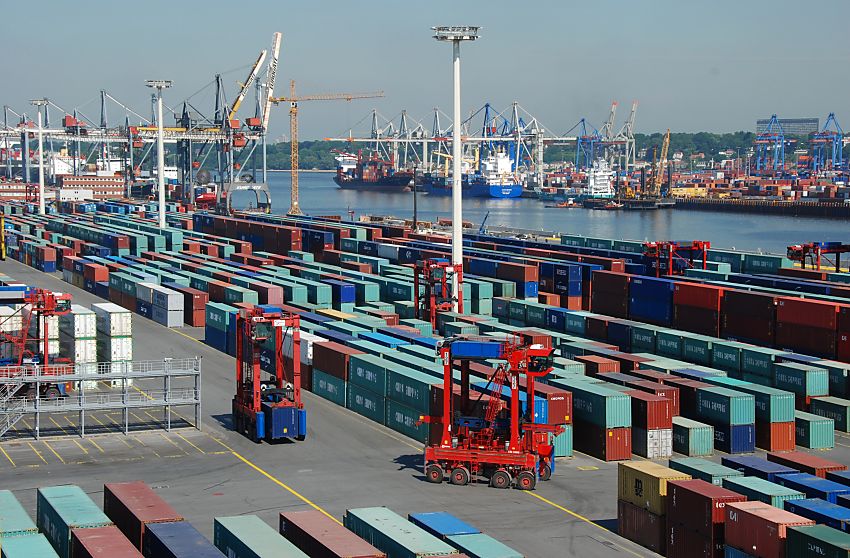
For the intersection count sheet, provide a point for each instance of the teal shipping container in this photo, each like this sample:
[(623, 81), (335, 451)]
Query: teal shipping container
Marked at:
[(14, 519), (27, 546), (668, 342), (802, 379), (411, 388), (761, 490), (839, 376), (405, 420), (389, 532), (562, 444), (759, 360), (368, 371), (813, 431), (772, 404), (816, 541), (699, 468), (329, 387), (643, 338), (721, 405), (480, 545), (726, 355), (59, 509), (366, 403), (248, 536), (834, 408), (692, 438), (597, 404)]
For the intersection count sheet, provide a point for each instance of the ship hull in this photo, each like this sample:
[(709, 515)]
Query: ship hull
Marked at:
[(496, 191), (393, 184)]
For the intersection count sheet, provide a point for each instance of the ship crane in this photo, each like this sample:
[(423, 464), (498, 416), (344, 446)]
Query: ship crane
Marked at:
[(293, 101), (658, 171)]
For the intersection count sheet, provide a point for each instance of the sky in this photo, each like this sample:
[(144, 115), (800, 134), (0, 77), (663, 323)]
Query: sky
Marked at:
[(692, 65)]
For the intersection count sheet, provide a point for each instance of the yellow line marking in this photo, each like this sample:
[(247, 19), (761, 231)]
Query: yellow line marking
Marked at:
[(186, 336), (32, 447), (92, 442), (582, 518), (58, 425), (7, 456), (85, 451), (173, 443), (190, 443), (587, 468), (54, 451), (285, 486), (145, 445)]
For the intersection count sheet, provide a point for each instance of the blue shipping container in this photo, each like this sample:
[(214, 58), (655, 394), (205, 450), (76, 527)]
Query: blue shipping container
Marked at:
[(442, 524), (812, 486), (821, 511), (176, 540), (756, 467), (739, 438)]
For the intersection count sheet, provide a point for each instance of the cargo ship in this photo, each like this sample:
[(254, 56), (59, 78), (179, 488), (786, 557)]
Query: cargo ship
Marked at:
[(370, 174), (494, 179)]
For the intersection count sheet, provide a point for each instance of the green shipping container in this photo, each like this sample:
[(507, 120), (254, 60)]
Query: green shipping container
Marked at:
[(411, 388), (758, 360), (814, 432), (27, 546), (839, 372), (816, 541), (692, 438), (772, 405), (761, 490), (14, 519), (643, 338), (366, 403), (576, 322), (721, 405), (403, 419), (479, 545), (709, 471), (329, 387), (459, 328), (59, 509), (562, 444), (389, 532), (597, 403), (368, 371), (802, 379), (697, 348), (834, 408), (424, 327), (248, 536), (669, 342), (218, 315), (726, 355)]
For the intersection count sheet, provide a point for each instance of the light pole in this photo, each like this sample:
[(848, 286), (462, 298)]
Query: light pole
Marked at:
[(38, 103), (456, 35), (159, 85)]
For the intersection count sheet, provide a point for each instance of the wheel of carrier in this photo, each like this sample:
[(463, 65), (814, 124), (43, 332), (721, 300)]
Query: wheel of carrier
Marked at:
[(526, 481), (500, 479), (434, 473), (52, 393), (460, 476), (545, 472)]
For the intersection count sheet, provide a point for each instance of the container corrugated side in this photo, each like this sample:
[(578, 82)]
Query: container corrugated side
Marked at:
[(806, 462), (644, 484), (822, 512), (62, 508), (248, 536), (27, 546), (816, 541), (812, 486), (834, 408), (321, 537), (597, 404), (726, 406), (102, 542), (759, 528), (132, 505), (14, 519), (761, 490), (442, 524), (703, 469), (177, 540), (391, 533), (480, 545), (692, 438)]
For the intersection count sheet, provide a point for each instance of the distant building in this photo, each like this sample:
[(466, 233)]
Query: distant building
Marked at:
[(791, 126)]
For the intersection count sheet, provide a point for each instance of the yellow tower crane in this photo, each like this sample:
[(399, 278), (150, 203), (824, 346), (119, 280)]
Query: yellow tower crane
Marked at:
[(293, 100), (658, 174)]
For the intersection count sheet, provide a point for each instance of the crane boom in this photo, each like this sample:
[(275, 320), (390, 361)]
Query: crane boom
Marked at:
[(270, 78), (659, 171), (245, 86)]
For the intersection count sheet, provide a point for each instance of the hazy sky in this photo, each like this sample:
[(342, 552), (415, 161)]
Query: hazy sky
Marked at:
[(715, 66)]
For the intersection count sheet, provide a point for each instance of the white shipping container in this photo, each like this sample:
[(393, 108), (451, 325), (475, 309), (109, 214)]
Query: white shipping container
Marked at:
[(652, 444), (38, 323), (167, 299), (144, 291), (307, 340), (114, 349), (10, 319), (68, 276), (168, 318), (79, 323), (80, 351), (388, 251), (112, 319)]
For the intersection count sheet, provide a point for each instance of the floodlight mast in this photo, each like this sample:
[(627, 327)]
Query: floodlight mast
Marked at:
[(159, 85)]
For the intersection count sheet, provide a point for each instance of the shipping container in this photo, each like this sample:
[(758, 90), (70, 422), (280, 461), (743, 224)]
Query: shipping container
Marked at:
[(761, 490), (822, 512), (481, 545), (760, 529), (319, 536), (392, 534), (813, 431), (248, 536), (27, 546), (683, 542), (752, 466), (14, 519), (102, 542), (652, 444), (644, 484), (802, 379), (817, 541), (692, 438), (724, 406), (834, 408), (806, 463), (132, 505), (641, 526), (59, 509), (738, 438), (698, 505), (703, 469), (597, 404), (776, 436), (177, 539), (442, 524), (812, 486), (607, 444)]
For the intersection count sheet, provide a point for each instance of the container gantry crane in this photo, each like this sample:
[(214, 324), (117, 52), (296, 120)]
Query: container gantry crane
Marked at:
[(517, 454), (293, 100), (671, 257), (814, 253), (434, 277), (268, 409)]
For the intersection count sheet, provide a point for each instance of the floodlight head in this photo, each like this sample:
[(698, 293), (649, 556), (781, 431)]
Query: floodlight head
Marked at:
[(456, 33), (38, 102), (159, 83)]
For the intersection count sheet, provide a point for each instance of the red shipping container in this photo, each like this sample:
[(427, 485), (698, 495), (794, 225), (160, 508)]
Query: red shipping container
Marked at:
[(332, 358), (699, 505), (805, 339), (629, 362), (610, 282), (803, 273), (319, 536), (608, 304), (682, 542), (671, 393), (132, 505), (842, 350), (640, 526), (697, 320), (559, 401), (597, 327), (758, 528), (652, 375), (748, 327), (748, 303), (607, 444), (687, 394), (776, 436), (534, 336), (844, 318), (698, 295), (806, 463), (649, 411), (807, 312), (551, 299), (101, 542), (195, 318), (594, 365)]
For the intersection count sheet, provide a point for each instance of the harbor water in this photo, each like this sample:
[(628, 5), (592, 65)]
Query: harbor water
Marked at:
[(319, 195)]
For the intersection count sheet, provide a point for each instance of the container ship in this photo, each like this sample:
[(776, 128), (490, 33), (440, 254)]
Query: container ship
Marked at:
[(370, 174), (494, 179)]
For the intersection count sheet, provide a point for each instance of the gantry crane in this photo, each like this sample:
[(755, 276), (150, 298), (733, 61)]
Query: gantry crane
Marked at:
[(658, 171), (814, 254), (673, 257), (434, 276), (293, 100)]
